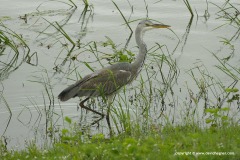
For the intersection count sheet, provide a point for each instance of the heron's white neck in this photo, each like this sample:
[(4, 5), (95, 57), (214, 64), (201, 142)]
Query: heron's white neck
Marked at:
[(138, 63)]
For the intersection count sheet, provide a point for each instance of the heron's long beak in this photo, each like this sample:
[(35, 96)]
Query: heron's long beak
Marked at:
[(160, 26)]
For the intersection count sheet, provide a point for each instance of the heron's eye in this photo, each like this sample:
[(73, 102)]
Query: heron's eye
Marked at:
[(148, 24)]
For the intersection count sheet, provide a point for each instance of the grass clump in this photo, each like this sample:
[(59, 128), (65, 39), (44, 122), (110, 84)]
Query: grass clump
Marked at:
[(167, 142)]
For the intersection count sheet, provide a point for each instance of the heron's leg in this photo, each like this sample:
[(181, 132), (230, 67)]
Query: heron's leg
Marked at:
[(108, 120), (89, 109), (110, 101)]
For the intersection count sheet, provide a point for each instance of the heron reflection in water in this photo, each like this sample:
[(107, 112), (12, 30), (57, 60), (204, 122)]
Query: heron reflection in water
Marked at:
[(108, 80)]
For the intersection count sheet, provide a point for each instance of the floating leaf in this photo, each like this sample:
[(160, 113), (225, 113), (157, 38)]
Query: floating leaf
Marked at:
[(212, 110), (208, 120), (64, 131), (67, 119), (225, 109), (233, 90), (224, 118)]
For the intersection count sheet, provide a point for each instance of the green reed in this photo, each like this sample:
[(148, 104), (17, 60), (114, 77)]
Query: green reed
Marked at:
[(188, 7)]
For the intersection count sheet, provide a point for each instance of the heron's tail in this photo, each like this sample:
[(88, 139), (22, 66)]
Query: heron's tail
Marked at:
[(69, 92)]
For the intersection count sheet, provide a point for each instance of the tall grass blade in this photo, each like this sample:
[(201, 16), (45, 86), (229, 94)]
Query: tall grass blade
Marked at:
[(189, 7)]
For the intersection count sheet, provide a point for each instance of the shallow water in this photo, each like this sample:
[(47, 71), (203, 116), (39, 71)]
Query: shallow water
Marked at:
[(22, 89)]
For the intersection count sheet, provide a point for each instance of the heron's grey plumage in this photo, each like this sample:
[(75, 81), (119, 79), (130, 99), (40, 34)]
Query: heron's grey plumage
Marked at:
[(109, 80)]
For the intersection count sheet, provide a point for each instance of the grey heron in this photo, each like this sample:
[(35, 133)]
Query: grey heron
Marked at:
[(108, 80)]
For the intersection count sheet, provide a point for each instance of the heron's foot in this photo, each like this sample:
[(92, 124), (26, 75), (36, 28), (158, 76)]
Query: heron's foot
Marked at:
[(96, 121), (109, 125), (99, 116)]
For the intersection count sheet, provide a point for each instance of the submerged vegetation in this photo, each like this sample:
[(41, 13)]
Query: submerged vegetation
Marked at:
[(149, 118), (13, 43)]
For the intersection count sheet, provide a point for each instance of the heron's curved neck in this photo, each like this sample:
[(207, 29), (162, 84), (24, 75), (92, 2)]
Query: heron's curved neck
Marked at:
[(138, 63)]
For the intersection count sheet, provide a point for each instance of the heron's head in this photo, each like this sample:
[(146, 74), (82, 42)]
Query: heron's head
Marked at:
[(147, 25)]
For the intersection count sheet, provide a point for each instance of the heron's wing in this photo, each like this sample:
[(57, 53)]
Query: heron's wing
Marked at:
[(71, 90), (100, 83), (104, 83)]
